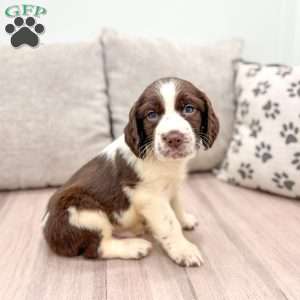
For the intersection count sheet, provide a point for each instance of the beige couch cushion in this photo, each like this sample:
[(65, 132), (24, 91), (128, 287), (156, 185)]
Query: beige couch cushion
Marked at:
[(134, 62), (53, 112)]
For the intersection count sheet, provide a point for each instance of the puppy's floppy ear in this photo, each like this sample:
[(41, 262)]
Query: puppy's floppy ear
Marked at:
[(209, 127), (134, 132)]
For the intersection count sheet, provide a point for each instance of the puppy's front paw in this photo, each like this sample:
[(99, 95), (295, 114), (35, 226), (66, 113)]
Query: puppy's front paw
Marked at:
[(189, 222), (185, 254)]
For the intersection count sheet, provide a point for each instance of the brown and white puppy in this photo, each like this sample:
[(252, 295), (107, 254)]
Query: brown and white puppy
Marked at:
[(136, 180)]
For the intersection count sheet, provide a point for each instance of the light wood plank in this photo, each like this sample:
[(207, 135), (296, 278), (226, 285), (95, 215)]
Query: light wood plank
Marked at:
[(228, 275), (126, 280), (250, 242), (154, 277), (3, 199), (264, 227), (28, 269), (166, 279)]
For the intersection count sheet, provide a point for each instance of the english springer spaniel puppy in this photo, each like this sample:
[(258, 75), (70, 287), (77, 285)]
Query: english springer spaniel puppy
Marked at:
[(135, 181)]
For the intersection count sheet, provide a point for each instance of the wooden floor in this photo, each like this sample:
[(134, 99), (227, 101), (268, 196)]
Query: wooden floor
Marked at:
[(250, 241)]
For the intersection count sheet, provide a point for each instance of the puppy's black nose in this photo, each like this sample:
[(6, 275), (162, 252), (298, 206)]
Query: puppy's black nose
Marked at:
[(174, 139)]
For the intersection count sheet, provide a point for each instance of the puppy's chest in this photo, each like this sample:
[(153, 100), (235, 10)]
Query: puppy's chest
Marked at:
[(156, 183), (143, 194), (159, 189)]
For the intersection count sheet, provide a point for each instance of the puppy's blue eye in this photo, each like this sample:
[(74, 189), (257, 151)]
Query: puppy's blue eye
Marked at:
[(188, 109), (152, 115)]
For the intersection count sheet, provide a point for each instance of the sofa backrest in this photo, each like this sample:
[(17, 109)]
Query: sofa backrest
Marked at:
[(53, 112)]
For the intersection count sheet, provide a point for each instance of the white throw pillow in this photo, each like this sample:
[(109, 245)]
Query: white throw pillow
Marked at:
[(265, 149), (133, 62)]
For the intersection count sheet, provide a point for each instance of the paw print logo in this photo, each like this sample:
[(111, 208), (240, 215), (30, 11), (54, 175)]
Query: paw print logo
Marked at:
[(294, 89), (282, 181), (244, 108), (261, 88), (255, 128), (253, 71), (263, 152), (245, 171), (24, 32), (289, 132), (283, 70), (296, 160), (271, 109)]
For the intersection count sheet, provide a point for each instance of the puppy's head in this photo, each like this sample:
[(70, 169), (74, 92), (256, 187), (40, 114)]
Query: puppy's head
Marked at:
[(171, 120)]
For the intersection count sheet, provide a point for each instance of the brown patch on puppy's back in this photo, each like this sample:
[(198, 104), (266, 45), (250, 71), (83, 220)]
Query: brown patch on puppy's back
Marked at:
[(96, 186)]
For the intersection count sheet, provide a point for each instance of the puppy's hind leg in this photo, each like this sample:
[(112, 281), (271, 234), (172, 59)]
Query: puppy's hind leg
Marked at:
[(129, 248), (93, 225), (109, 247)]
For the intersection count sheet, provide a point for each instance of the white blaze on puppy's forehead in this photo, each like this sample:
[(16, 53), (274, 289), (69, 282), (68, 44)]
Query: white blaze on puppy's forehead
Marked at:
[(168, 93)]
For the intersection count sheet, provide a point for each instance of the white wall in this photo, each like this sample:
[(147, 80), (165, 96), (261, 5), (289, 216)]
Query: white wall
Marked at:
[(270, 28)]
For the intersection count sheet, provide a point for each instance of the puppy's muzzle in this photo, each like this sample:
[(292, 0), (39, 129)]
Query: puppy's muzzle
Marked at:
[(173, 139)]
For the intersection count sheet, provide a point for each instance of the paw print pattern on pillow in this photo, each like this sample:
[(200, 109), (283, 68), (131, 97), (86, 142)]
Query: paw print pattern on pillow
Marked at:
[(238, 91), (236, 141), (245, 171), (282, 181), (233, 181), (271, 109), (289, 132), (264, 151), (261, 88), (236, 144), (296, 160), (225, 165), (284, 70), (253, 71), (244, 108), (255, 128), (294, 89)]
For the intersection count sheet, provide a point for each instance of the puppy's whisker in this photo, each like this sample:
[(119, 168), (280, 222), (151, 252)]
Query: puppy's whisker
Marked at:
[(206, 138), (146, 147)]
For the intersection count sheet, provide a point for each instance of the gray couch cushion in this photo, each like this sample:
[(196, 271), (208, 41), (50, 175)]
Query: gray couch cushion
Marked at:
[(53, 112), (134, 62)]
